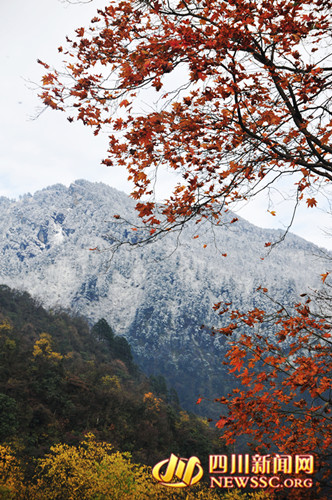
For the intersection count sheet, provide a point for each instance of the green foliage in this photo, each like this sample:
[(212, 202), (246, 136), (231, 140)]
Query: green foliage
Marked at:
[(121, 349), (102, 331), (8, 416), (159, 385), (59, 380)]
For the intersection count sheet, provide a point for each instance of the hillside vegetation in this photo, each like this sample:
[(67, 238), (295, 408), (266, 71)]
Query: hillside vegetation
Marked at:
[(64, 388)]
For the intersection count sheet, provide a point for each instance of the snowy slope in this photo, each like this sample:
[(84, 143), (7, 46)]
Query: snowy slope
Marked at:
[(155, 296)]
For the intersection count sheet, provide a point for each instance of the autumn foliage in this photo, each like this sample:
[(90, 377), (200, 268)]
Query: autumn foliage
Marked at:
[(283, 362), (11, 475), (93, 470), (239, 97)]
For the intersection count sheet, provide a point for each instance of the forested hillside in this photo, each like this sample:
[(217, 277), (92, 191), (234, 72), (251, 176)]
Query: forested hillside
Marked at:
[(59, 379)]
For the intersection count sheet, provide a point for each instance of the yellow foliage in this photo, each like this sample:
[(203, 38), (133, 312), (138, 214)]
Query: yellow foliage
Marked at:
[(5, 326), (93, 471), (10, 344), (90, 471), (184, 417), (43, 348), (152, 402), (11, 477), (111, 382)]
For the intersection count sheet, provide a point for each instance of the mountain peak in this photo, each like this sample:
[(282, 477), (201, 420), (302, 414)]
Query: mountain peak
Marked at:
[(157, 296)]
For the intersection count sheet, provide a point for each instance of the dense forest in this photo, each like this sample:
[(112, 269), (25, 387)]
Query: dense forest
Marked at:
[(61, 380)]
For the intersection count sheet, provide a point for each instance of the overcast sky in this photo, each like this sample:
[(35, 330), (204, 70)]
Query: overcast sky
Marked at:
[(38, 152)]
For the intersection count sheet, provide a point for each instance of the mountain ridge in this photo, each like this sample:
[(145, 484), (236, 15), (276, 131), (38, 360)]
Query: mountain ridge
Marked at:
[(157, 296)]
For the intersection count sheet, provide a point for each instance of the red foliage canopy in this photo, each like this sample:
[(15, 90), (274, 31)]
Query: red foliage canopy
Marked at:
[(284, 364), (252, 104)]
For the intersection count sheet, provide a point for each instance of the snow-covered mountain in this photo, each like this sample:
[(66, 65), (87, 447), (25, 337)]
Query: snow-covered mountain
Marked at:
[(157, 296)]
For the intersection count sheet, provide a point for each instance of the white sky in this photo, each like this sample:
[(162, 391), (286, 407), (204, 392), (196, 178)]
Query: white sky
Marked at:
[(48, 150)]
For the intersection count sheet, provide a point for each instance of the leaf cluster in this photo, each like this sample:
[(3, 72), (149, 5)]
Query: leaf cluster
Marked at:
[(250, 103), (284, 365)]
